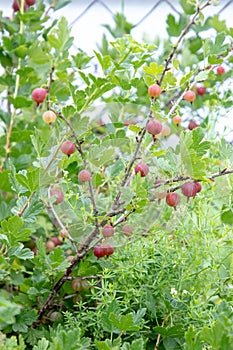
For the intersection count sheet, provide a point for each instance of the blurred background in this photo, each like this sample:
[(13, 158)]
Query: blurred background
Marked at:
[(86, 17)]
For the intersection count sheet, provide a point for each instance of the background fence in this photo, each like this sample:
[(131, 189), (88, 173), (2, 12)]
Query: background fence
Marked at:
[(86, 17)]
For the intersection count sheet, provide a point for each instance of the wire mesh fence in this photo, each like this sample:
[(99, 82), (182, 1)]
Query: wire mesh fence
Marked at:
[(86, 18)]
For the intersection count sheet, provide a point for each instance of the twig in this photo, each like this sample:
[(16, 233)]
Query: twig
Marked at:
[(59, 220), (92, 196), (50, 7), (17, 83), (183, 33), (184, 178), (20, 213), (159, 335), (129, 167), (78, 143)]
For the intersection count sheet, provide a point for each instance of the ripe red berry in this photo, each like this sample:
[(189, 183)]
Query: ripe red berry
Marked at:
[(108, 249), (198, 186), (108, 231), (220, 70), (142, 168), (84, 175), (16, 6), (50, 245), (189, 96), (99, 251), (189, 189), (201, 90), (172, 199), (68, 147), (192, 125), (127, 230), (154, 127), (39, 94), (59, 196), (154, 90), (30, 2), (56, 240), (177, 120)]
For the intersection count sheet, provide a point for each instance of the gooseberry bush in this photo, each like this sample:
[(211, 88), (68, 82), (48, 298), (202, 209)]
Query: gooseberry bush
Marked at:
[(115, 184)]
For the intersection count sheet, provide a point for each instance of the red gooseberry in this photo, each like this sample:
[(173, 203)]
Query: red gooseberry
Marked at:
[(68, 147), (192, 125), (154, 90), (142, 169), (172, 199), (177, 120), (39, 94), (58, 194), (198, 186), (84, 175), (189, 189), (154, 127), (108, 231), (220, 70), (201, 90), (189, 96), (30, 2)]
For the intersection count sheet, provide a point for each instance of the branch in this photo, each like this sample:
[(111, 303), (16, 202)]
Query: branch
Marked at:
[(17, 83), (59, 221), (129, 167), (184, 178), (78, 143), (183, 33), (159, 335)]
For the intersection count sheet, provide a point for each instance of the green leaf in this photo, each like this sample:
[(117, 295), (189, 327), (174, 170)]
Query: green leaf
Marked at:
[(173, 28), (202, 76), (192, 340), (124, 322), (41, 345), (217, 24), (188, 8), (20, 252), (30, 180), (169, 80), (213, 59), (4, 181), (175, 63), (59, 38), (137, 344), (8, 310), (38, 55), (23, 320), (57, 260), (79, 98), (20, 102), (104, 345), (154, 69), (134, 128), (186, 77), (227, 215), (68, 111), (13, 229)]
